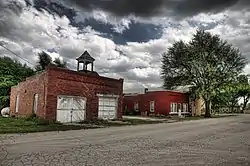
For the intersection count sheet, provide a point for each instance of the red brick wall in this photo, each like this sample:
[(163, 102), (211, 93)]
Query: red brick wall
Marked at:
[(26, 90), (129, 102), (67, 82), (162, 101)]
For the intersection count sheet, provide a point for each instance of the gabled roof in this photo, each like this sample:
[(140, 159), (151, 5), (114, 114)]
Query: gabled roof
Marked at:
[(85, 57)]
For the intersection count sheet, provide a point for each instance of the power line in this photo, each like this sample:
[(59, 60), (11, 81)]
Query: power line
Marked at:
[(1, 44)]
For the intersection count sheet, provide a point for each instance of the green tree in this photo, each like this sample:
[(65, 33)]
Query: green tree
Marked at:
[(11, 73), (229, 95), (45, 60), (244, 90), (206, 63), (59, 63)]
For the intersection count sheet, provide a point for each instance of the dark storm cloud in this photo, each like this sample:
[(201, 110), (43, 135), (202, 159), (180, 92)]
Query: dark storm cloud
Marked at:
[(137, 32), (147, 8)]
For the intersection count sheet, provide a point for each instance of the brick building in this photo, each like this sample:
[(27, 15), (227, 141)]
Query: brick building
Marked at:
[(161, 102), (65, 95)]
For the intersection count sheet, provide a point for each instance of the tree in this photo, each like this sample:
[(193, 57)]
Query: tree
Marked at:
[(229, 95), (45, 60), (244, 90), (11, 73), (59, 63), (206, 63)]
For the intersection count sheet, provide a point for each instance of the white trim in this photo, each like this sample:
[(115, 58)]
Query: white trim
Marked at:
[(136, 106), (17, 104), (177, 112), (152, 106), (107, 95), (58, 96), (35, 103)]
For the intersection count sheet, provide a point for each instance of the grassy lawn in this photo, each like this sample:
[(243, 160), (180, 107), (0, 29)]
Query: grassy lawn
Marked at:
[(123, 122), (22, 125)]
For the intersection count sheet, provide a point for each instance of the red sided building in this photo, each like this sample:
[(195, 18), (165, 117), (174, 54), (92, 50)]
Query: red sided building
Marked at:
[(64, 95), (161, 102)]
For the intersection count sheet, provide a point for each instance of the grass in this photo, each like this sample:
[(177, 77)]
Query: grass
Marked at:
[(22, 125), (123, 122), (33, 124)]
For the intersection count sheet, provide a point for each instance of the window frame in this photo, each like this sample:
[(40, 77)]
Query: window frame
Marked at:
[(35, 103), (152, 106), (186, 106), (173, 107), (136, 106), (17, 104)]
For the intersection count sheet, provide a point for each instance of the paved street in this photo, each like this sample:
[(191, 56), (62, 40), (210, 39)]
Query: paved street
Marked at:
[(222, 141)]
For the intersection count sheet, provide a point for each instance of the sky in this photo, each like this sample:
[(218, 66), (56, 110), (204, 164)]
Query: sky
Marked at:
[(126, 37)]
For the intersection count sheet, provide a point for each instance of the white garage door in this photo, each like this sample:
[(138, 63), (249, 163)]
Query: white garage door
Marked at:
[(70, 109), (107, 108)]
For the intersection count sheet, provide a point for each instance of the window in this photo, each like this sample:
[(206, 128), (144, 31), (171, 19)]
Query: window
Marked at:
[(173, 107), (152, 106), (184, 107), (35, 103), (179, 107), (17, 103), (136, 106)]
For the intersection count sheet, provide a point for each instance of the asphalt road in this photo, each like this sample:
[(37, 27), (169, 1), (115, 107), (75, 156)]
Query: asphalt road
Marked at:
[(223, 141)]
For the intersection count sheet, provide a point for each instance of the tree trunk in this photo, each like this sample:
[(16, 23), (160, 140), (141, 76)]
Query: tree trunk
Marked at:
[(246, 99), (207, 109)]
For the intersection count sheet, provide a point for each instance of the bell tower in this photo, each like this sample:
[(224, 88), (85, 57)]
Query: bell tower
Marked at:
[(85, 59)]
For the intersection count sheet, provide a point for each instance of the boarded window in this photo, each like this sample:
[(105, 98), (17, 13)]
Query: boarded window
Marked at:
[(17, 103), (152, 106), (35, 103)]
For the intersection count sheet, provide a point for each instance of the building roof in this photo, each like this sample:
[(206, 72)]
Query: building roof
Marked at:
[(85, 57), (179, 89)]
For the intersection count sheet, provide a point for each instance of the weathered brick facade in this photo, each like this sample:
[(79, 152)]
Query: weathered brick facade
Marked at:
[(57, 81), (162, 101), (26, 90)]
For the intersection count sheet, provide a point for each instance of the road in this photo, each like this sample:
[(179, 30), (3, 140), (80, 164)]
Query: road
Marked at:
[(221, 141)]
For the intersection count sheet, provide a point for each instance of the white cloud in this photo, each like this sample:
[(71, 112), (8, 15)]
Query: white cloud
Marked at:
[(138, 63)]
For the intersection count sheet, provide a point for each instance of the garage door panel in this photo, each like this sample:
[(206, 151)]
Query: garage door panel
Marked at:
[(77, 116), (112, 103), (107, 108), (63, 116), (64, 103), (70, 109), (78, 104)]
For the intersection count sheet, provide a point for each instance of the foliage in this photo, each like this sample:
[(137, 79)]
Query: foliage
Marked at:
[(11, 72), (59, 63), (244, 90), (206, 63), (45, 60), (22, 125), (229, 95)]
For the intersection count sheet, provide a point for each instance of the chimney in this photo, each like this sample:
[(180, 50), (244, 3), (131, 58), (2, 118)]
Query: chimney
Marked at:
[(145, 90)]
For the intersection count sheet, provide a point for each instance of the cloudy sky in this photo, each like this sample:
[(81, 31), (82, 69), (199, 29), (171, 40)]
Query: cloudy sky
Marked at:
[(126, 37)]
